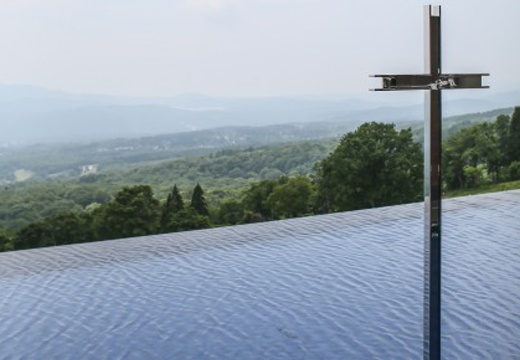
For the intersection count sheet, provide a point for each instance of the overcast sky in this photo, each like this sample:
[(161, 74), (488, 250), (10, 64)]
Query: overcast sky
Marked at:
[(246, 47)]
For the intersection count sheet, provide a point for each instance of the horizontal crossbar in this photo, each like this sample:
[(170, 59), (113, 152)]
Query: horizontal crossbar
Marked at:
[(429, 82)]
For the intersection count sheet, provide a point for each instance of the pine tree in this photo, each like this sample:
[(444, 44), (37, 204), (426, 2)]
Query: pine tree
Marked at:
[(198, 202), (166, 213), (174, 203), (177, 201), (514, 136)]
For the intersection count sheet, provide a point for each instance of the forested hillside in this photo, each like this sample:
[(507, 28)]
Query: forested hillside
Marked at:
[(68, 161), (375, 165), (222, 174)]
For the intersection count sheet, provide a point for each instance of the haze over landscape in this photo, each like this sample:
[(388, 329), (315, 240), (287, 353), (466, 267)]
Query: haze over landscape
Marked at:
[(132, 120), (35, 115), (151, 64), (99, 95), (78, 70), (245, 48)]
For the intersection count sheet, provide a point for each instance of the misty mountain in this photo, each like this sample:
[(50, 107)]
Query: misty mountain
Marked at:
[(102, 122), (30, 114), (67, 159), (35, 115), (44, 160), (450, 108)]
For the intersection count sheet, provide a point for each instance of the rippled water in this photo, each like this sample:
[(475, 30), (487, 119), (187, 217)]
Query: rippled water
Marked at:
[(341, 286)]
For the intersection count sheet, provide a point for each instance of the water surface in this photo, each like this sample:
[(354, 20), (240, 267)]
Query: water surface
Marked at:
[(340, 286)]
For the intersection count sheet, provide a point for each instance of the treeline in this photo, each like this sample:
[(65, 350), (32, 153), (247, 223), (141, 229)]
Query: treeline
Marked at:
[(375, 165), (135, 211), (223, 175), (374, 148), (483, 153), (232, 164)]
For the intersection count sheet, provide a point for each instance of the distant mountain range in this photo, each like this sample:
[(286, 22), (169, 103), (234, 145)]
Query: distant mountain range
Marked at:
[(35, 115)]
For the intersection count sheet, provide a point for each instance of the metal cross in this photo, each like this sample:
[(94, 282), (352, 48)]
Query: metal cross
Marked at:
[(433, 81)]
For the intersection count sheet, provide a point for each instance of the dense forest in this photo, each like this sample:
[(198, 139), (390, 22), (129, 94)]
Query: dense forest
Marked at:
[(375, 165), (223, 175)]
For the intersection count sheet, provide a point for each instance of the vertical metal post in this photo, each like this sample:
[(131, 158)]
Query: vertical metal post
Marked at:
[(432, 190), (433, 81)]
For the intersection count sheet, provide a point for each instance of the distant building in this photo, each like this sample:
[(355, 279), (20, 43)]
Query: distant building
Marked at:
[(89, 169)]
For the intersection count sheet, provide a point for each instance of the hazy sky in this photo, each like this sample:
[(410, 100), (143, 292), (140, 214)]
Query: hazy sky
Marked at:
[(246, 47)]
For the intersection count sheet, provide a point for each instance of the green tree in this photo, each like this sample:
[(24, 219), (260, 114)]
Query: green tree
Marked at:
[(502, 127), (133, 212), (477, 154), (375, 165), (67, 228), (230, 212), (174, 203), (33, 235), (514, 136), (85, 195), (487, 150), (198, 201), (270, 173), (5, 243), (514, 171), (291, 198), (255, 197), (188, 219), (177, 203), (457, 155)]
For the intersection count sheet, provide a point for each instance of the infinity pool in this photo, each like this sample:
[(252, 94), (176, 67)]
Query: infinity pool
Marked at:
[(340, 286)]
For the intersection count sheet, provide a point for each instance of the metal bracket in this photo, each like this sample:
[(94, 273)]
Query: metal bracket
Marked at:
[(430, 82)]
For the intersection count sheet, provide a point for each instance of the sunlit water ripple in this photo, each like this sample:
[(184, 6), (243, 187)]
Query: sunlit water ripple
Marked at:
[(340, 286)]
